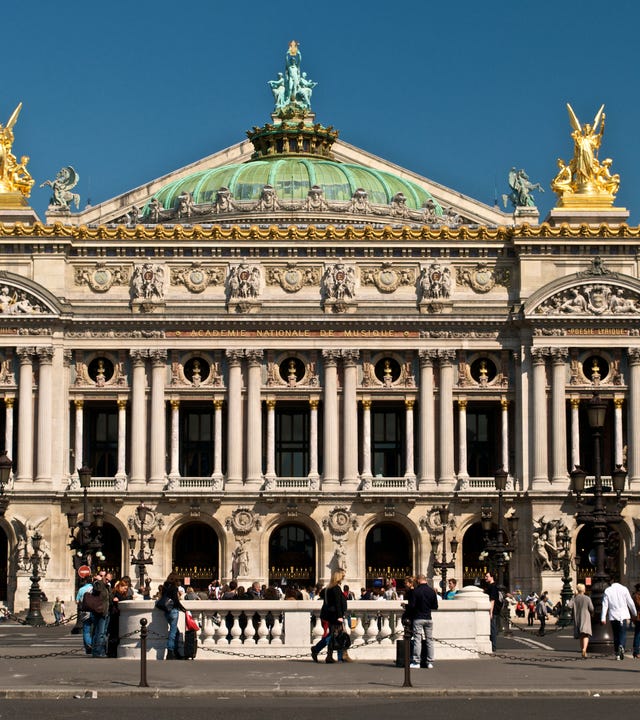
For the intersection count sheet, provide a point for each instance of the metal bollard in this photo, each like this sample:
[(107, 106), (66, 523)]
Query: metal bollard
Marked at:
[(407, 653), (143, 653)]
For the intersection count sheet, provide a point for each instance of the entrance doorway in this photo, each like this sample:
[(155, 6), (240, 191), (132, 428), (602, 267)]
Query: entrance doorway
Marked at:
[(112, 550), (388, 554), (292, 556), (196, 554)]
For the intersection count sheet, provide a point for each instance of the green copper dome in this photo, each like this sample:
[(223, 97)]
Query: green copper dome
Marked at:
[(291, 178)]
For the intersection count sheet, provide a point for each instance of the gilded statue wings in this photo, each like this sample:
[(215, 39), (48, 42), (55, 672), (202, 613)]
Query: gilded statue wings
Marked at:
[(14, 117), (575, 123)]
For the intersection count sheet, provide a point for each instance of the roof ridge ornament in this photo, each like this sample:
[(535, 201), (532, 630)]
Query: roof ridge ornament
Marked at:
[(292, 89)]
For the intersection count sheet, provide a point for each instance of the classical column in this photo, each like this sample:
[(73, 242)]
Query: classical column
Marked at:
[(25, 415), (79, 436), (313, 439), (463, 465), (575, 432), (254, 418), (234, 418), (559, 415), (504, 408), (8, 425), (217, 440), (538, 435), (174, 467), (121, 473), (427, 442), (157, 445), (45, 412), (330, 419), (366, 439), (139, 417), (447, 474), (271, 439), (633, 418), (410, 471), (617, 404), (350, 418)]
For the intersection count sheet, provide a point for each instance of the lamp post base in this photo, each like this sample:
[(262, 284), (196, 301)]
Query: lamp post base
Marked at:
[(601, 641)]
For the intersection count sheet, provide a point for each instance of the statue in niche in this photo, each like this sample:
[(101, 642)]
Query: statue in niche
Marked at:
[(244, 282), (240, 560), (66, 179), (339, 282)]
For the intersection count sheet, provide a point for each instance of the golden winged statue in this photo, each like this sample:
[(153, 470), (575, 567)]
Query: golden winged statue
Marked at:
[(585, 181), (14, 176)]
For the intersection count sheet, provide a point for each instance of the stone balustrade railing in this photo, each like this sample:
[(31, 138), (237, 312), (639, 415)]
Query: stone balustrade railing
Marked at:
[(255, 629)]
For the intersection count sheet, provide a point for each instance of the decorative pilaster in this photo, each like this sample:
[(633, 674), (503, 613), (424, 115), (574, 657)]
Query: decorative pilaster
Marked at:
[(79, 436), (217, 444), (617, 405), (313, 440), (633, 418), (330, 419), (25, 415), (121, 473), (447, 474), (139, 417), (234, 419), (575, 432), (427, 446), (350, 418), (366, 440), (157, 446), (538, 435), (559, 417), (463, 465), (271, 439), (410, 470), (45, 410), (504, 412), (254, 418), (8, 424), (174, 469)]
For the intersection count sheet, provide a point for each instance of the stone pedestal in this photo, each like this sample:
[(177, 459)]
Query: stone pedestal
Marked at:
[(590, 216), (551, 581), (529, 215)]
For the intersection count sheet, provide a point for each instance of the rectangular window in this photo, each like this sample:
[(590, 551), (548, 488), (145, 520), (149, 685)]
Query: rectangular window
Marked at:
[(196, 441), (387, 441), (483, 423), (101, 440), (292, 440)]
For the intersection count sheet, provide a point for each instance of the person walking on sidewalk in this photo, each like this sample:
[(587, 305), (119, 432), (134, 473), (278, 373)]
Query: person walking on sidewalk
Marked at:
[(636, 621), (332, 615), (421, 601), (495, 607), (582, 611), (542, 611), (619, 608)]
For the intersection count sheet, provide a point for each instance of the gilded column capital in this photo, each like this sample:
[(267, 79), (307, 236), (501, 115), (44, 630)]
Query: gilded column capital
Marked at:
[(427, 357), (409, 403), (575, 403), (618, 402), (254, 357), (634, 355), (45, 354), (313, 403), (122, 404), (175, 404), (447, 357), (504, 404), (79, 403), (25, 354), (330, 357), (366, 404), (462, 404), (217, 404), (350, 357), (234, 357), (539, 355), (9, 402), (270, 403), (559, 355)]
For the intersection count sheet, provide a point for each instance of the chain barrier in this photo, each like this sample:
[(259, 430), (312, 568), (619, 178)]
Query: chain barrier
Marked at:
[(21, 621)]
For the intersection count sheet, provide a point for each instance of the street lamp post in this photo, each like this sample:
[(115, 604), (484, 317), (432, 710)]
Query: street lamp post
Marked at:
[(497, 548), (566, 594), (442, 564), (598, 518), (39, 562), (86, 535), (5, 473), (142, 559)]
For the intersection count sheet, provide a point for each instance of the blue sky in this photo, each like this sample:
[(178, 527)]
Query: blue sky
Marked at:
[(457, 92)]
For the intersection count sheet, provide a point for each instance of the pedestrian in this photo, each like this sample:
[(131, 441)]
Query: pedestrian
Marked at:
[(452, 591), (495, 607), (542, 611), (618, 607), (169, 603), (421, 601), (84, 616), (58, 611), (332, 615), (636, 621), (100, 615), (122, 591), (531, 600), (582, 611)]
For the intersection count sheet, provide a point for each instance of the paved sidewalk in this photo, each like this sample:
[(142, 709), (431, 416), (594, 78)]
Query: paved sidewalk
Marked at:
[(518, 673)]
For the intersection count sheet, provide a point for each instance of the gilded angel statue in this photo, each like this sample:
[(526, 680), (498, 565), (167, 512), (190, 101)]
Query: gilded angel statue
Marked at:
[(14, 176), (587, 140)]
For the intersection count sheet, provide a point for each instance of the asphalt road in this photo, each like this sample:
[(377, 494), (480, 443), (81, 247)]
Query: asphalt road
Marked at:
[(556, 708)]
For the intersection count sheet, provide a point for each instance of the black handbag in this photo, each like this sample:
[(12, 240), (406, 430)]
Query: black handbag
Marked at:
[(165, 604), (92, 602)]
